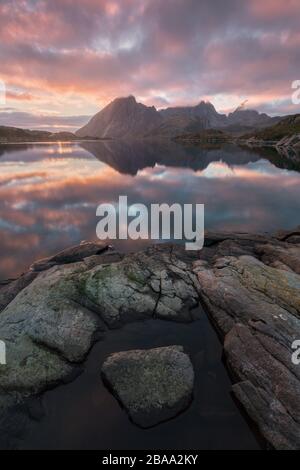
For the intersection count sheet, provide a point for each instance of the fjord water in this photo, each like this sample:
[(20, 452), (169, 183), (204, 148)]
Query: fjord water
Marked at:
[(85, 415), (49, 192), (48, 199)]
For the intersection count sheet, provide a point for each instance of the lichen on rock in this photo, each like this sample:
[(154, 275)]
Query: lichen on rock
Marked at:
[(153, 385)]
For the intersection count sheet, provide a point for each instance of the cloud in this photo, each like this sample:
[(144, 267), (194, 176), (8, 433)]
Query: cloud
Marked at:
[(11, 95), (78, 55), (38, 121)]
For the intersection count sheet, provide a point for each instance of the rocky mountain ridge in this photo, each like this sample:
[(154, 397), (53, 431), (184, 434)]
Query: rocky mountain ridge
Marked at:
[(126, 118)]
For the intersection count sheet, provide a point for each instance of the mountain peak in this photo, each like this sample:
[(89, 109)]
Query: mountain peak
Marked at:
[(203, 102), (207, 105), (248, 117), (129, 99), (123, 117)]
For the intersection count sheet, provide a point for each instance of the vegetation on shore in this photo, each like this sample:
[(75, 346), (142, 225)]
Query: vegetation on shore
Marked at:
[(15, 134), (204, 137), (284, 133), (287, 127)]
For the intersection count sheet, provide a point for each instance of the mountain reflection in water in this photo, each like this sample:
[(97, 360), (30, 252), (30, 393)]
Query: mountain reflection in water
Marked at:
[(131, 156), (49, 192)]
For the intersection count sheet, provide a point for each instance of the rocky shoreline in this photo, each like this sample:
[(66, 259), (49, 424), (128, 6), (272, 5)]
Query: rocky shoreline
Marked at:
[(287, 146), (248, 284)]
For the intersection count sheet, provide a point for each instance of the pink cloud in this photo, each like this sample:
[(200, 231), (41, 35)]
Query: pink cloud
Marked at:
[(270, 9), (62, 53)]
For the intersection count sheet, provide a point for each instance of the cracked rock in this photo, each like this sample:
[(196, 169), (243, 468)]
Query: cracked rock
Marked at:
[(249, 284), (51, 324), (251, 288)]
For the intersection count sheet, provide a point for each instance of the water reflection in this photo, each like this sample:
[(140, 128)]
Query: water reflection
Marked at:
[(131, 156), (49, 193)]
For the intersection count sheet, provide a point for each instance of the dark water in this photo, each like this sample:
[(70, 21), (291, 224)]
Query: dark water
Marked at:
[(49, 193), (84, 415), (48, 200)]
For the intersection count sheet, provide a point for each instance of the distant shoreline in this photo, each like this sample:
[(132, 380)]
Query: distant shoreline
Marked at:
[(41, 142)]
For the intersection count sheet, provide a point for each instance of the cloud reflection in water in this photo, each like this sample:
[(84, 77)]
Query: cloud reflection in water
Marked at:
[(49, 193)]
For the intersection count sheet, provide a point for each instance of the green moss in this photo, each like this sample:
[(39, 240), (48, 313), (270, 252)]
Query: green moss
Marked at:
[(89, 283), (136, 276)]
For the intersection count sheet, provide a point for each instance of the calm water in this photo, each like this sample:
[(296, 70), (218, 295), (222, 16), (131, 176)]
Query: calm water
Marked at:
[(49, 192), (48, 199), (84, 415)]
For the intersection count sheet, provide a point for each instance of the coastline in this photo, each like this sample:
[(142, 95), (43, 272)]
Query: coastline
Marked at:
[(248, 285)]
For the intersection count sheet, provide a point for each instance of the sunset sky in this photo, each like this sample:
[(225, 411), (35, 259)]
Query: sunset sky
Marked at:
[(63, 60)]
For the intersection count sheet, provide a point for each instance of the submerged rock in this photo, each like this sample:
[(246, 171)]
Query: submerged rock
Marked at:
[(153, 385), (51, 324)]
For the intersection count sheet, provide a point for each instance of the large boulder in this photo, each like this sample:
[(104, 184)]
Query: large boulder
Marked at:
[(252, 291), (153, 385), (249, 284), (51, 324)]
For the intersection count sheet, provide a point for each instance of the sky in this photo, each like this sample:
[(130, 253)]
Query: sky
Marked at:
[(63, 60)]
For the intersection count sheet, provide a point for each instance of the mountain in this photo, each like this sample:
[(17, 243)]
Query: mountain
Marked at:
[(204, 111), (207, 137), (125, 118), (284, 135), (122, 118), (249, 118), (286, 127), (16, 134), (176, 125)]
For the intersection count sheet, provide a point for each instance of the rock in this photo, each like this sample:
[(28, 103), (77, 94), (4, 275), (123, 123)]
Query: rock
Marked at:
[(289, 141), (153, 385), (45, 330), (71, 255), (249, 284), (214, 238), (51, 324), (285, 257), (153, 283), (288, 235), (267, 387), (10, 289), (254, 300)]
